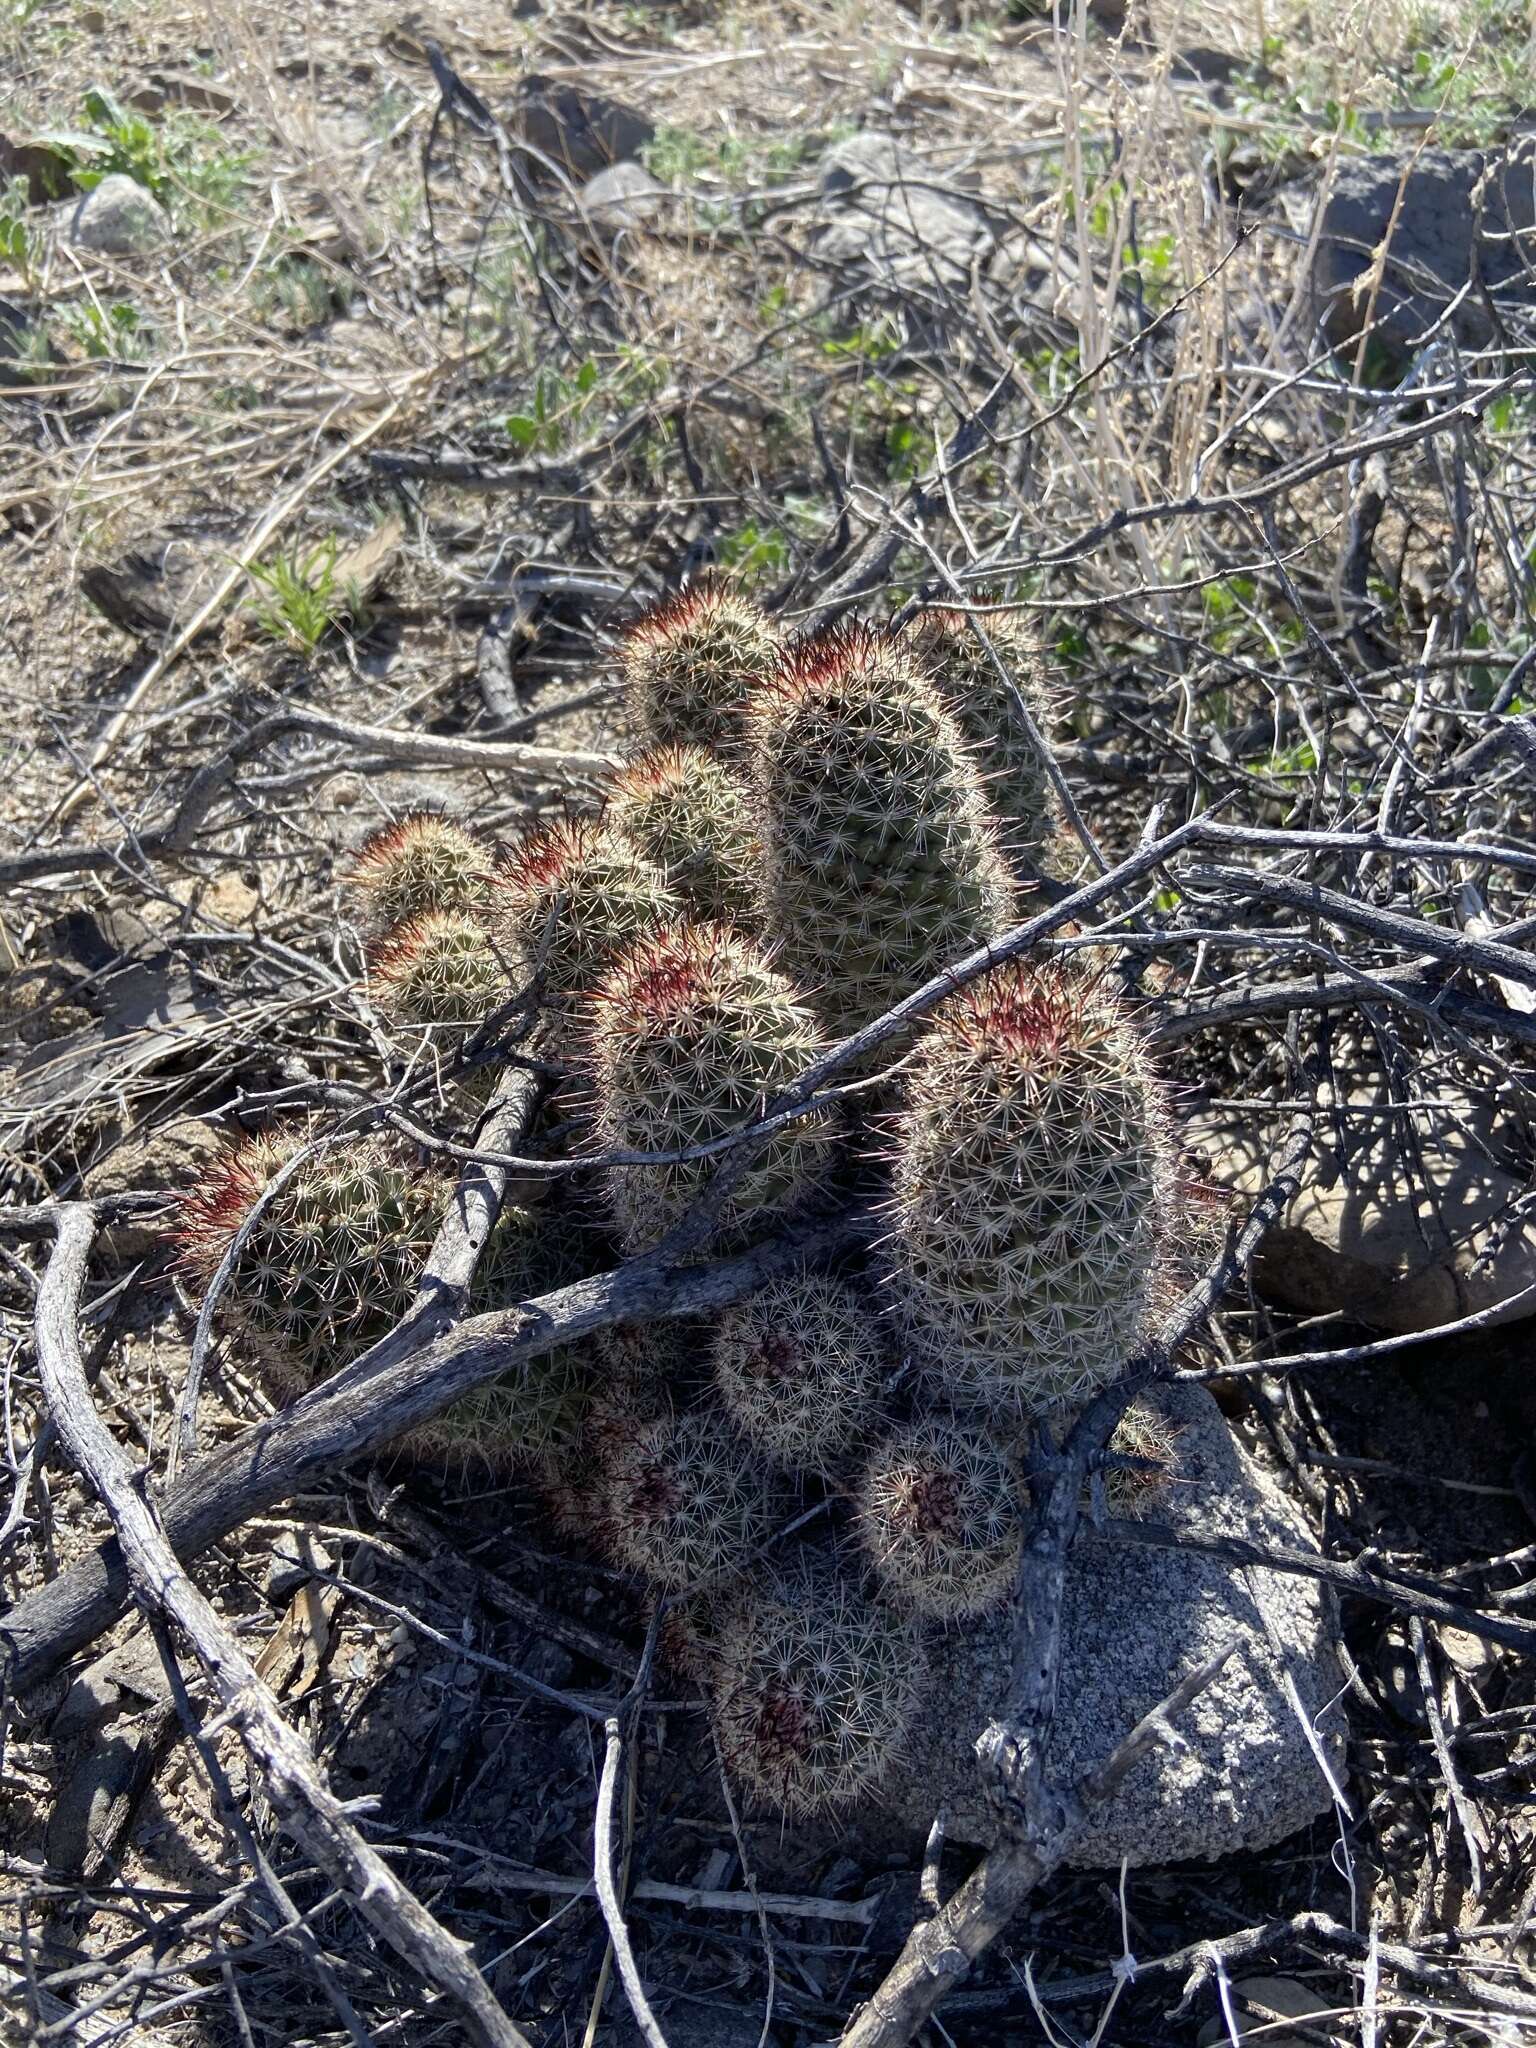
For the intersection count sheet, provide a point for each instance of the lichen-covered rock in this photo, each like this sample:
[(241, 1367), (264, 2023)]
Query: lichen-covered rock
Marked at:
[(887, 213), (1137, 1620)]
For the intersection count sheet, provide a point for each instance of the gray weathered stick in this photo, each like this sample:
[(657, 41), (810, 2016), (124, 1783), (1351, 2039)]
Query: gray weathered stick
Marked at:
[(301, 1798)]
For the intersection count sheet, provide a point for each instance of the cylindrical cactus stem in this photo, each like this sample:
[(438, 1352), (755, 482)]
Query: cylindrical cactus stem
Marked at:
[(996, 713), (422, 864), (696, 1624), (799, 1367), (685, 812), (881, 855), (440, 971), (332, 1261), (692, 662), (812, 1694), (683, 1498), (535, 1415), (570, 897), (693, 1033), (1033, 1192), (938, 1513)]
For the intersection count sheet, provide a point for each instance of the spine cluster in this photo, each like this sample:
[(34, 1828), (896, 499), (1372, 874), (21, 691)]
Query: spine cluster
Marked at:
[(881, 856), (807, 832), (998, 693), (693, 1035)]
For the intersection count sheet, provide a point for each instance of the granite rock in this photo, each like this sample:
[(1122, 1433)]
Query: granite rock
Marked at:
[(888, 213), (1407, 1216), (1136, 1620), (623, 196)]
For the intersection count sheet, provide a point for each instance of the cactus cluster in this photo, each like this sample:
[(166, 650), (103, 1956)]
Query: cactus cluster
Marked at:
[(811, 829)]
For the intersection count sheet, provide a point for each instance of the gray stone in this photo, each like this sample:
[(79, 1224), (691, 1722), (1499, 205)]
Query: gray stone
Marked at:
[(1135, 1621), (1465, 216), (575, 132), (1405, 1219), (622, 196), (119, 218), (886, 211), (89, 1792), (122, 1680), (296, 1556)]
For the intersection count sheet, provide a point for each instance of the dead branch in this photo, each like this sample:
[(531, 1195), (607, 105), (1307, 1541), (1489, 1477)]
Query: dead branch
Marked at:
[(1410, 1591), (522, 765), (300, 1795)]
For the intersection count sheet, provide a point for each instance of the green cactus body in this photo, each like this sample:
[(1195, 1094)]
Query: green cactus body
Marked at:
[(536, 1415), (533, 1417), (881, 858), (1017, 776), (812, 1694), (333, 1261), (694, 1626), (440, 971), (682, 1498), (939, 1517), (683, 811), (572, 896), (693, 1033), (799, 1366), (692, 662), (419, 865), (1032, 1192)]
